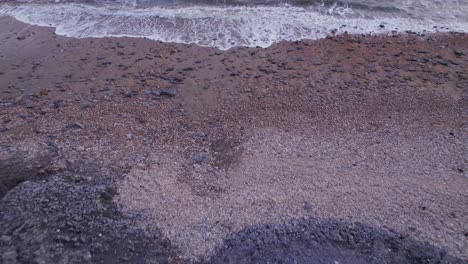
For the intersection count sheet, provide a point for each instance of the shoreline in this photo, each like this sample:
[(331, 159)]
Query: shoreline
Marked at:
[(236, 29), (193, 144), (49, 35)]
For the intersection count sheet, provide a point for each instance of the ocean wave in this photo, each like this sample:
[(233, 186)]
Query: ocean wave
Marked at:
[(221, 26)]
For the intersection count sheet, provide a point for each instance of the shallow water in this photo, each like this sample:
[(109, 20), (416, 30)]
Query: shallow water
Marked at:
[(229, 23)]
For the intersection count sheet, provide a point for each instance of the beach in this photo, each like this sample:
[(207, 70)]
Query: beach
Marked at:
[(134, 150)]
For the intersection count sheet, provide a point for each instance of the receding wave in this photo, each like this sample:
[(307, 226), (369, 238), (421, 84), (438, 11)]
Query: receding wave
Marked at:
[(228, 25)]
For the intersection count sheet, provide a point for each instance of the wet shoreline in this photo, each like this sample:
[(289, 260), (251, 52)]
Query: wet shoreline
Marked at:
[(228, 26)]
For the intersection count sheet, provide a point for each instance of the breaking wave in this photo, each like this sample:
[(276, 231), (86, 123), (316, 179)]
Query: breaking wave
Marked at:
[(231, 23)]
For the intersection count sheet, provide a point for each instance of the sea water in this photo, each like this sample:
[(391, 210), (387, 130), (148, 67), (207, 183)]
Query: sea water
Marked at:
[(228, 23)]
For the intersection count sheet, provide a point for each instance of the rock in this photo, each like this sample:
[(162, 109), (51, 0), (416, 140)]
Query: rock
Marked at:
[(443, 62), (177, 80), (459, 53), (3, 129), (130, 94), (29, 105), (166, 91), (56, 104), (129, 136), (76, 125)]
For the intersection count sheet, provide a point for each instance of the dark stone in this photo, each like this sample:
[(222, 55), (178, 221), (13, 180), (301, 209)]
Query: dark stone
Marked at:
[(56, 103), (168, 92), (177, 80), (60, 220), (445, 63), (76, 125), (459, 53), (130, 94)]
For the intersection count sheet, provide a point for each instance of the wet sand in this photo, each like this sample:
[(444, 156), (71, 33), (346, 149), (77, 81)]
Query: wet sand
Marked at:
[(192, 145)]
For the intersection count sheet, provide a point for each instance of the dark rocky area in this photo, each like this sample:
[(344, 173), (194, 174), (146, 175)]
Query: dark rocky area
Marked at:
[(312, 241), (71, 219)]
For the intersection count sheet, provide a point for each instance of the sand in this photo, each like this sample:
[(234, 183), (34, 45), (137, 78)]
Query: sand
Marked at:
[(200, 144)]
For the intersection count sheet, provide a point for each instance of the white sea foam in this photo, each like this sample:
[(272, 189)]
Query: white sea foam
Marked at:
[(220, 26)]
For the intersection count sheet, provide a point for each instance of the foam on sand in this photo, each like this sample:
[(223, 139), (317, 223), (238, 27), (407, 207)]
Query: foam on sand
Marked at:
[(221, 26)]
